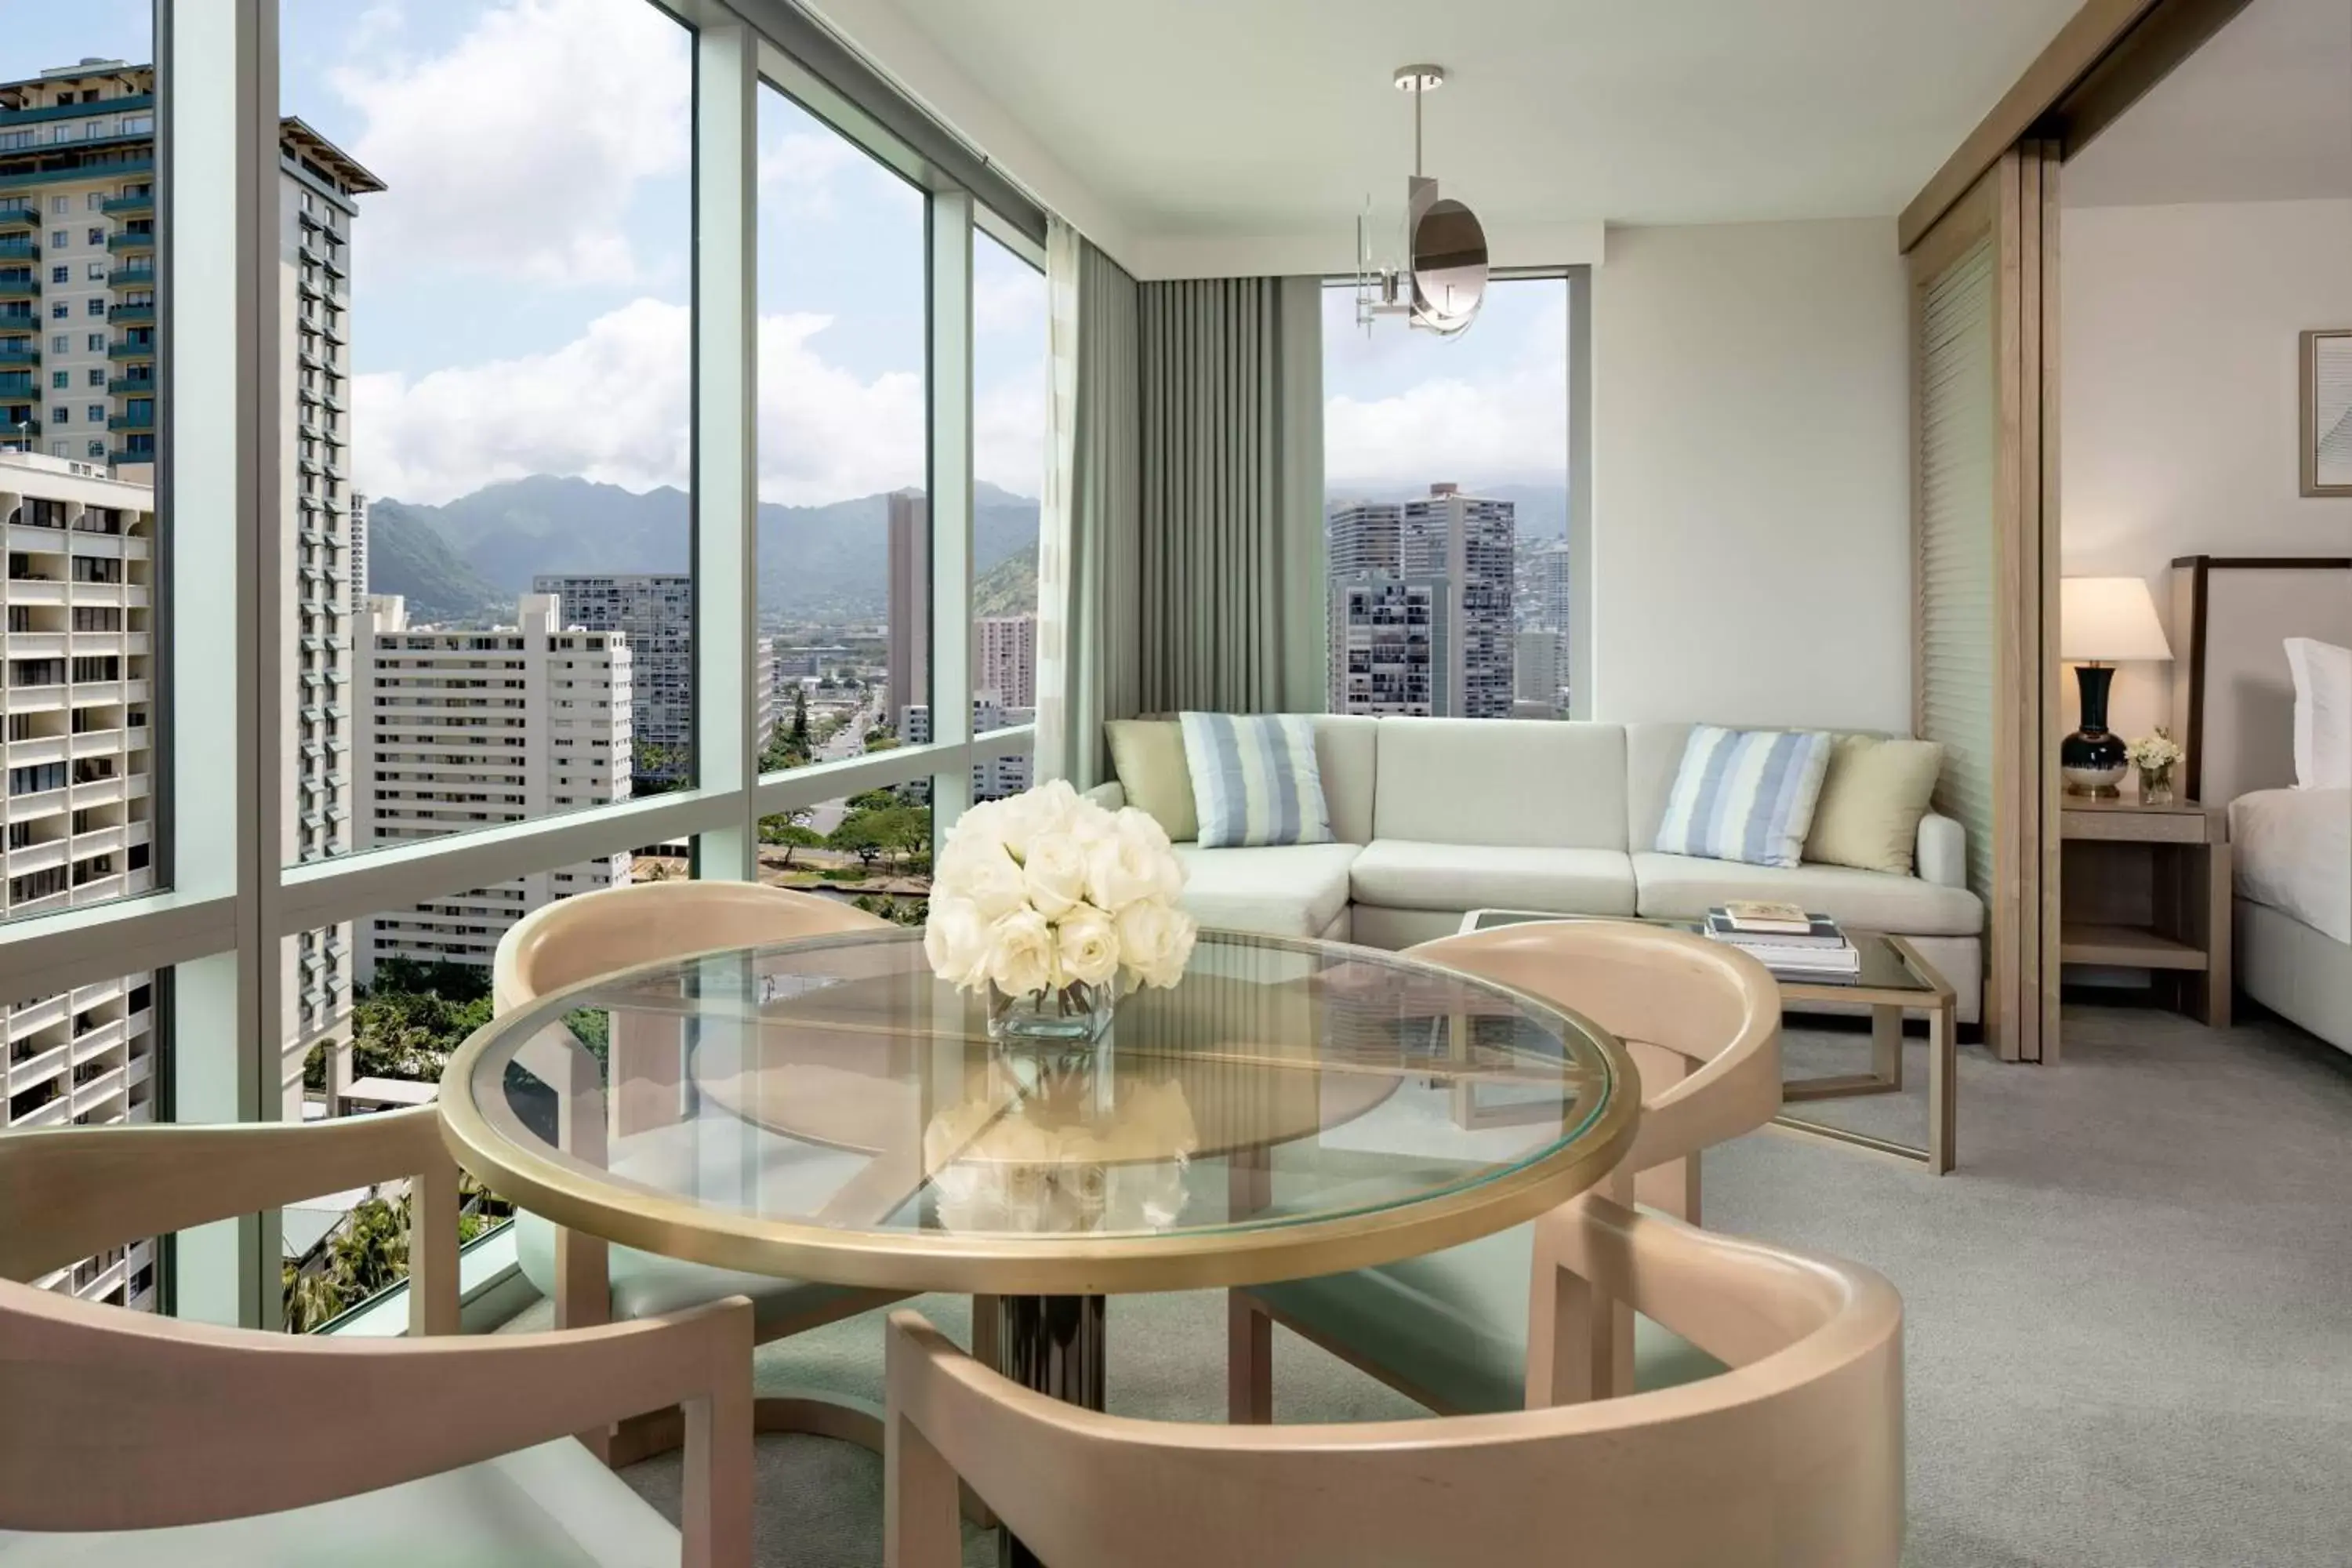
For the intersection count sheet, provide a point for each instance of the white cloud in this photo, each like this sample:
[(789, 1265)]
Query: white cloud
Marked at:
[(517, 151), (1008, 433), (797, 172), (612, 404), (1506, 426)]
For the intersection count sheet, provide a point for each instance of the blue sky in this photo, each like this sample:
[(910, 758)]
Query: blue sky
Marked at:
[(520, 290)]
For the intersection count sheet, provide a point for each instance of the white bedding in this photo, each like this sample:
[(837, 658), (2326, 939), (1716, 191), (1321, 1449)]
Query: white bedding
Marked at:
[(2293, 850)]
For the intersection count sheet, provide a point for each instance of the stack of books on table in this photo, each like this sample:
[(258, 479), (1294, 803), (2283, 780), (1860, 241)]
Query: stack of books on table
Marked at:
[(1786, 940)]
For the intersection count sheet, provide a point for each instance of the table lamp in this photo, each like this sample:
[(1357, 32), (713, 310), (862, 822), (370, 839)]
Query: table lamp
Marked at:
[(2102, 621)]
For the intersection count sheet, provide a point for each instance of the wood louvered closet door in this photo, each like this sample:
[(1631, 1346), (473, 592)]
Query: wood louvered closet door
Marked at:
[(1984, 554)]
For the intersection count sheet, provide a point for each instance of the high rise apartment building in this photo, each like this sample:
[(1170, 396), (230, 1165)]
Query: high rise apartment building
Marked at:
[(1362, 536), (908, 656), (77, 381), (468, 729), (1420, 606), (1550, 585), (79, 750), (655, 611), (1539, 674), (1004, 660), (1388, 645), (1467, 541)]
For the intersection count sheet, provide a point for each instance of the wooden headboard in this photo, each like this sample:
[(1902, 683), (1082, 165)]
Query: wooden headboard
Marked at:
[(2232, 699)]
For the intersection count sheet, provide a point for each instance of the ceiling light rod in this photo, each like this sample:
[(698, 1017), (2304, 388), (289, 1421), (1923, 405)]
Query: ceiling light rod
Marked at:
[(1418, 80)]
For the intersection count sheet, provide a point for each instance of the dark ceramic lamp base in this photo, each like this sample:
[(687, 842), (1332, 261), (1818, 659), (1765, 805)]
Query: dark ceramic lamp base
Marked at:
[(2092, 759)]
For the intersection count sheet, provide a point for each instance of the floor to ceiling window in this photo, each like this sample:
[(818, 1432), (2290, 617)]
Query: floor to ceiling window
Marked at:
[(434, 304), (1452, 562), (81, 653)]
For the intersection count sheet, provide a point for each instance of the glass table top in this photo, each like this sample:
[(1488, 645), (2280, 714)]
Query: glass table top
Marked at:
[(827, 1109)]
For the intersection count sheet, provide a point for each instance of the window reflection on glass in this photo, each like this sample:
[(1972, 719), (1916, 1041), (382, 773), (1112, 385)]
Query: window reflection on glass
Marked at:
[(1446, 508)]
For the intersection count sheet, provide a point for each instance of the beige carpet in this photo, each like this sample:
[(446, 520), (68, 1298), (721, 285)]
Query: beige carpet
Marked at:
[(2129, 1311)]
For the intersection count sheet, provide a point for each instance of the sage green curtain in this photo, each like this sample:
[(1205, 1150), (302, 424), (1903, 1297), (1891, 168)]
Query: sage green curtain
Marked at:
[(1230, 586), (1087, 660)]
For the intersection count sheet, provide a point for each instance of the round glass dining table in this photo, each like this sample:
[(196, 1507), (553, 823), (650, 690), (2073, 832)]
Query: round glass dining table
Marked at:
[(827, 1110)]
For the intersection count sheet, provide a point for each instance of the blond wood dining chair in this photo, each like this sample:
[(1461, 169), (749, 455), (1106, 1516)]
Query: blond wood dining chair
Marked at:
[(1793, 1457), (128, 1438), (591, 1281), (1702, 1023)]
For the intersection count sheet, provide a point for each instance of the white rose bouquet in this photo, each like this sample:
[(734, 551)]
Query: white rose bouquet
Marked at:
[(2155, 752), (1048, 902)]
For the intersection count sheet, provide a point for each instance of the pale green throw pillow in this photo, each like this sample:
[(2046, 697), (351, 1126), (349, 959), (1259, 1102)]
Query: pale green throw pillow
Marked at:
[(1148, 754), (1870, 803)]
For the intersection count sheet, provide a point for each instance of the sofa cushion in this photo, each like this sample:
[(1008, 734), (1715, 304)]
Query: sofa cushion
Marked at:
[(1653, 754), (1281, 889), (1519, 783), (1402, 874), (1344, 754), (1745, 794), (554, 1506), (1683, 887), (1148, 754), (1455, 1324), (1255, 779), (1870, 803)]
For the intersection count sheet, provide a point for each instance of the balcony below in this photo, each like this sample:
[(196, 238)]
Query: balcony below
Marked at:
[(131, 277), (131, 315), (20, 288), (133, 386), (128, 206), (130, 243), (19, 220), (20, 353), (123, 350), (132, 421)]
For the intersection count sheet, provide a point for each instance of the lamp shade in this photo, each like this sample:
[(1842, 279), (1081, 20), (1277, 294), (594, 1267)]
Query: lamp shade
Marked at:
[(2108, 619)]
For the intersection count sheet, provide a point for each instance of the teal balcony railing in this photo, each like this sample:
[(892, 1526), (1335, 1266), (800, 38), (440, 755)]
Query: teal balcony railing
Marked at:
[(128, 206), (25, 288), (134, 420), (130, 241), (141, 277), (133, 387), (126, 350), (20, 248), (132, 454), (20, 353), (136, 315), (17, 430), (20, 389), (17, 219)]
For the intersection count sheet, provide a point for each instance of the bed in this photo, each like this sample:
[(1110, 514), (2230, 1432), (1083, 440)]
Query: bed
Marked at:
[(2233, 701)]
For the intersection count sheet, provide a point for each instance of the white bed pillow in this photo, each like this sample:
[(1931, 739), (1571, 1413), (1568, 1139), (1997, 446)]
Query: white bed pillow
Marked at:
[(2323, 713)]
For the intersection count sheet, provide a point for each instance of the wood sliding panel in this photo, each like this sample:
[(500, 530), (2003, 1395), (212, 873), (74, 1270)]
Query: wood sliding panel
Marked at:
[(1984, 570)]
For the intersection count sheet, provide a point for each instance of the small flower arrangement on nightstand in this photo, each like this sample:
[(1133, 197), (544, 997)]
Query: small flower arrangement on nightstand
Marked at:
[(2154, 756)]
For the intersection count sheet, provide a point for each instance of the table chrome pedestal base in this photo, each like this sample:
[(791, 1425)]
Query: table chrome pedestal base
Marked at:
[(1055, 1346)]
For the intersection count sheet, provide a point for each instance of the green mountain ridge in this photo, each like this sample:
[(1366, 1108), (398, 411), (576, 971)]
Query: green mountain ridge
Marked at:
[(816, 562)]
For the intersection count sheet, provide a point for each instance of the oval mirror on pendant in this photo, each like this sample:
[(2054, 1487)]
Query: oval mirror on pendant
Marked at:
[(1449, 267)]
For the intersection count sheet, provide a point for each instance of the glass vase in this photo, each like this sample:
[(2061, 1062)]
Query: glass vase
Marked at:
[(2155, 785), (1077, 1013)]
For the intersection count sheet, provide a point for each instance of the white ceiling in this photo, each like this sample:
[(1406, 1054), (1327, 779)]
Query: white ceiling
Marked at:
[(1224, 118), (2262, 112)]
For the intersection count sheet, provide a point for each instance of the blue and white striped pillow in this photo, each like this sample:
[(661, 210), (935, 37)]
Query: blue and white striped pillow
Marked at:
[(1255, 779), (1745, 794)]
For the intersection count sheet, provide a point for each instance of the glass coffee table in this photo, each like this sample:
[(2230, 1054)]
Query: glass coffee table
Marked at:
[(1895, 981)]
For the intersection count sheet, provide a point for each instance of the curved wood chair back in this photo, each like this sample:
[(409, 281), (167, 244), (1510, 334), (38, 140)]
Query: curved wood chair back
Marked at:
[(1791, 1459), (191, 1424), (1701, 1020), (620, 928)]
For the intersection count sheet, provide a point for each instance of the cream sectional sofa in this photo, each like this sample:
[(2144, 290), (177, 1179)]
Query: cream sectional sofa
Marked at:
[(1438, 817)]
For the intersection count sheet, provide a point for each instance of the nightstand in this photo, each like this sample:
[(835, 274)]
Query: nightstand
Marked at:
[(2148, 887)]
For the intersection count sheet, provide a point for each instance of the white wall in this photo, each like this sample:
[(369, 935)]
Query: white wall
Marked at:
[(2178, 419), (1752, 482)]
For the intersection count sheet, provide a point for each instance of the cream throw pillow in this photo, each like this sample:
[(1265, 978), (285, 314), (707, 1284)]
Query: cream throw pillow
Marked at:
[(1872, 800), (1148, 754)]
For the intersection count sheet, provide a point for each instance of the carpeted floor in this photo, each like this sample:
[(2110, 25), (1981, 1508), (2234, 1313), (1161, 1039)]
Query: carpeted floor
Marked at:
[(2129, 1332)]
